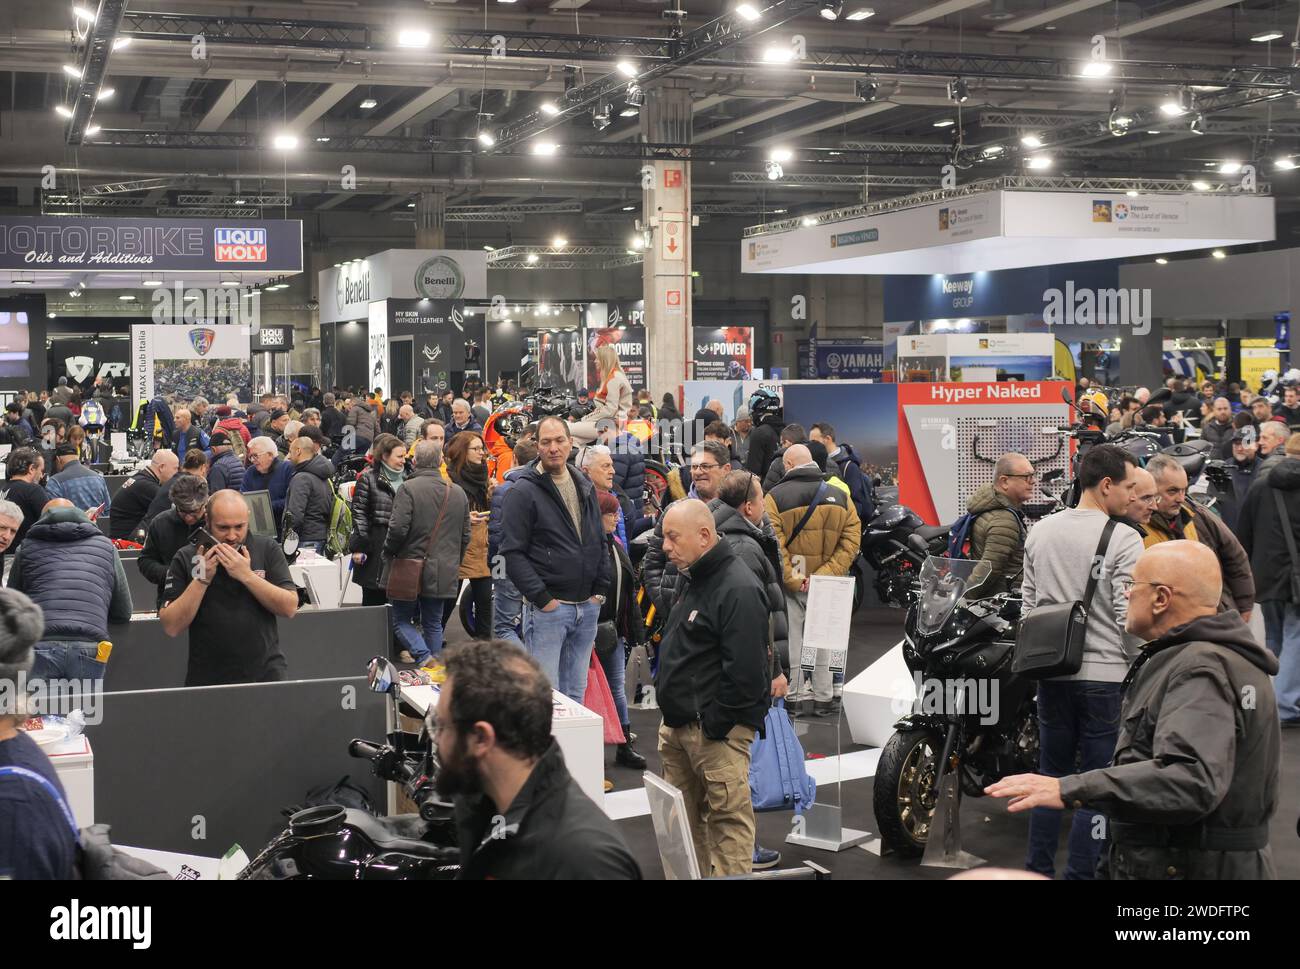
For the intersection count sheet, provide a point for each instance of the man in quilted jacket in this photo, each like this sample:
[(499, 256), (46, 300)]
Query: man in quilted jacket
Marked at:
[(998, 533)]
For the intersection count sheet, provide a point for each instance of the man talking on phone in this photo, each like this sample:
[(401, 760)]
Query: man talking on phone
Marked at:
[(227, 587)]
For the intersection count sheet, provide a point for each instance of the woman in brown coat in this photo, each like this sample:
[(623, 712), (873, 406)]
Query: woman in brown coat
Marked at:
[(467, 467)]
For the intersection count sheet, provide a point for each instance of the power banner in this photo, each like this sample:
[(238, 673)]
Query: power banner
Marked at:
[(190, 361), (724, 353), (150, 245), (629, 343), (950, 436)]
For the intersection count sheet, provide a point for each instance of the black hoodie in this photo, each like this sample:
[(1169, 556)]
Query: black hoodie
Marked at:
[(1260, 532), (311, 500), (1197, 761)]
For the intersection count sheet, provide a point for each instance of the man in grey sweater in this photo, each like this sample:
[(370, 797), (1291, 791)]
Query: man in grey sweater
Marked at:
[(1078, 715)]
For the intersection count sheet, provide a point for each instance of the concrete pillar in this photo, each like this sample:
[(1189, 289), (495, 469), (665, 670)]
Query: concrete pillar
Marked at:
[(1141, 358), (431, 220), (666, 273)]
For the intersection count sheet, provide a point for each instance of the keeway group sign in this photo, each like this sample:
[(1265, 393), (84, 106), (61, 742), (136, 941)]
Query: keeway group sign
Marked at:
[(163, 245)]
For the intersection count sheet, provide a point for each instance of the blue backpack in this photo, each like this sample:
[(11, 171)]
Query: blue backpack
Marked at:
[(960, 535), (777, 779)]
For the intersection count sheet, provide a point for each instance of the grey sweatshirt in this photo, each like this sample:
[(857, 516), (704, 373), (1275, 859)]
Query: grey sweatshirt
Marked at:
[(1057, 559)]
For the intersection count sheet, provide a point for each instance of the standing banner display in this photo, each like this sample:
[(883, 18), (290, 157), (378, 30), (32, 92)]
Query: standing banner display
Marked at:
[(723, 353), (629, 343), (951, 435), (377, 351), (558, 358), (209, 361)]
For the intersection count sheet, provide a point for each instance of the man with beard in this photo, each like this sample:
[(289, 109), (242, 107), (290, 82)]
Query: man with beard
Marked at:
[(519, 813)]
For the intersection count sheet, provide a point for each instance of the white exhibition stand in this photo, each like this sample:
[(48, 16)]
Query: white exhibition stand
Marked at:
[(328, 584), (580, 732), (74, 762), (877, 697)]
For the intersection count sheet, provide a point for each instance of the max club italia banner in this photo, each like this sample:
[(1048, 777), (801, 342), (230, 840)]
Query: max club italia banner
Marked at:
[(208, 360)]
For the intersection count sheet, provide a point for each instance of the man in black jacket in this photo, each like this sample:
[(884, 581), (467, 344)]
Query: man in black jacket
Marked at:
[(1260, 529), (764, 440), (129, 508), (713, 687), (554, 546), (1196, 772), (170, 531), (311, 499), (519, 813), (24, 470), (1288, 408), (791, 435)]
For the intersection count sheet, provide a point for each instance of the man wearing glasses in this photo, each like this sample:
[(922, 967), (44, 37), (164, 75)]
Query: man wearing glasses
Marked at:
[(1196, 769), (710, 462), (1178, 517), (997, 535)]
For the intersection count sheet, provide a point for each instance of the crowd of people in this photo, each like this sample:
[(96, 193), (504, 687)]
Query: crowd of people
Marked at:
[(562, 566)]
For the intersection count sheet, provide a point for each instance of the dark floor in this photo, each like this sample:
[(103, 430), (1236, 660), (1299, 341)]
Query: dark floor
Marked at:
[(987, 830)]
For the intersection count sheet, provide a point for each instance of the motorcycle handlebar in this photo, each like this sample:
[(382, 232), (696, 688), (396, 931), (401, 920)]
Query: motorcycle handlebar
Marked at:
[(364, 749)]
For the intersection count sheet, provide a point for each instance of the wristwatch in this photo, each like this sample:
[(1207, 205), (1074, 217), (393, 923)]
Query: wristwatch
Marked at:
[(600, 599)]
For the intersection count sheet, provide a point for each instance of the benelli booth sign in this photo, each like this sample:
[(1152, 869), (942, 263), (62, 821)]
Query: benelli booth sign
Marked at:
[(162, 245), (347, 290)]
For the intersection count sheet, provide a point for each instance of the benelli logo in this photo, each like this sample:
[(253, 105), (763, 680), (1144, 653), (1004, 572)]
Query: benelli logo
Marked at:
[(202, 339), (958, 286), (102, 923), (240, 245)]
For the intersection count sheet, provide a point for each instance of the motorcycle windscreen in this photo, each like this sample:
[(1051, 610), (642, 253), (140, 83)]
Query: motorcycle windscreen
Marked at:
[(943, 583)]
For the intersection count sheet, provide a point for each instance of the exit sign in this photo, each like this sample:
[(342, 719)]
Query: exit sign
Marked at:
[(672, 178)]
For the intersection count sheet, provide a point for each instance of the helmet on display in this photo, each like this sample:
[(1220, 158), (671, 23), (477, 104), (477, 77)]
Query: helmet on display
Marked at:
[(764, 405), (1095, 402)]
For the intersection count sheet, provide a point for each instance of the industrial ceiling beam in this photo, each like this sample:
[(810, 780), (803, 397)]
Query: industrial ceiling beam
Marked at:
[(1051, 14), (1172, 16), (421, 102), (332, 95), (98, 45), (230, 98), (936, 11)]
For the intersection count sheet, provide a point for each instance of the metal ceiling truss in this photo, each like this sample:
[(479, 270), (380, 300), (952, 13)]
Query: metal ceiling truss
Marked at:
[(211, 211), (274, 201), (565, 257), (91, 202), (1037, 122), (704, 45), (1031, 183), (94, 66), (122, 188)]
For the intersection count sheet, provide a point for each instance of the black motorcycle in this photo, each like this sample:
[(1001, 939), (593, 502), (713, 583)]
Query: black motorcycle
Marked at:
[(333, 843), (972, 716), (895, 544)]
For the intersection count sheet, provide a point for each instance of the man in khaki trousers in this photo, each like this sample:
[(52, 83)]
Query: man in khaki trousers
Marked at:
[(713, 687)]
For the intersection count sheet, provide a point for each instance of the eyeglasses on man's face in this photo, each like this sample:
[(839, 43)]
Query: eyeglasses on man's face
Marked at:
[(696, 468)]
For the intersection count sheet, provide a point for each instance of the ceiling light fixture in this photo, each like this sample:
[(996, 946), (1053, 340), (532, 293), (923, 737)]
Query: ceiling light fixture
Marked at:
[(1267, 35), (121, 42), (105, 93), (81, 13), (285, 142), (92, 130), (1161, 261), (778, 54), (626, 68), (1230, 168), (773, 169), (958, 91), (486, 139), (629, 112), (1031, 141), (1040, 162), (866, 88), (559, 242), (1201, 186), (809, 220), (831, 9), (368, 103), (1096, 68), (532, 258), (861, 13), (634, 96), (946, 123), (749, 12), (1285, 164), (780, 154), (992, 151), (545, 148), (1219, 254), (487, 248), (413, 37), (1131, 194), (63, 111), (323, 138), (549, 108)]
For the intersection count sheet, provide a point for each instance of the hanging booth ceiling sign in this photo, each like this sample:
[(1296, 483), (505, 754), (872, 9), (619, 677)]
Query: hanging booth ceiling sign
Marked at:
[(346, 291), (54, 247), (1013, 229)]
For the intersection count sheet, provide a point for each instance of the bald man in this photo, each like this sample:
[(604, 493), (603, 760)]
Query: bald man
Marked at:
[(129, 509), (1144, 499), (1195, 776), (713, 687), (228, 595)]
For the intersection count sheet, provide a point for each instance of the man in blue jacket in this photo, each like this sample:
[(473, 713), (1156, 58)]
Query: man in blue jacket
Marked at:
[(554, 547), (506, 604), (83, 487), (629, 467), (850, 470), (267, 471)]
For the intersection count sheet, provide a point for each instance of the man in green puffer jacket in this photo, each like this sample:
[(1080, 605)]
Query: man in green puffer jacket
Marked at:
[(998, 534)]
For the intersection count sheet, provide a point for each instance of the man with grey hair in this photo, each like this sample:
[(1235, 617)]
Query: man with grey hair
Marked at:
[(462, 419), (1273, 436), (332, 417), (310, 498), (410, 427), (430, 521), (199, 408), (267, 471), (311, 417), (11, 519)]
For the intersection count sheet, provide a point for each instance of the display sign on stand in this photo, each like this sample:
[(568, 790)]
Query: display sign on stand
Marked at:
[(629, 343), (210, 360), (723, 353)]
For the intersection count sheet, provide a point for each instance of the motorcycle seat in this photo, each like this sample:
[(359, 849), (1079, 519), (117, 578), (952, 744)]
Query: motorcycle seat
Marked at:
[(398, 833), (931, 532)]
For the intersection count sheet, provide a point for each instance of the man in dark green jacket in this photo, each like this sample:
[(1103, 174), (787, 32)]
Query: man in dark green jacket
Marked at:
[(998, 533), (1196, 772), (713, 687)]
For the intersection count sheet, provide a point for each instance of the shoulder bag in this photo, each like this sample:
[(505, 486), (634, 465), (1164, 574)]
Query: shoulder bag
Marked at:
[(404, 575), (1050, 640), (1284, 523)]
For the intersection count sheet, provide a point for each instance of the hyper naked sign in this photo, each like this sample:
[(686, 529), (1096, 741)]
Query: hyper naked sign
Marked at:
[(162, 245)]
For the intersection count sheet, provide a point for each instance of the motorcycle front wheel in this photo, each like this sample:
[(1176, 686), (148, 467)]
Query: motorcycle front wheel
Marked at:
[(905, 795)]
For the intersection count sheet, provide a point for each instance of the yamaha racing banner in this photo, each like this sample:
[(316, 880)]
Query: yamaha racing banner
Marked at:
[(629, 343), (210, 360), (723, 353)]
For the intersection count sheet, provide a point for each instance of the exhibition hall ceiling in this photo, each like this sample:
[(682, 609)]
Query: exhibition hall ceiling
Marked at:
[(301, 109)]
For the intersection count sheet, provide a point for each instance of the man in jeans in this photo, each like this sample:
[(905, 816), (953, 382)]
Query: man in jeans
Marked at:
[(69, 568), (554, 545), (506, 604), (1078, 715)]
